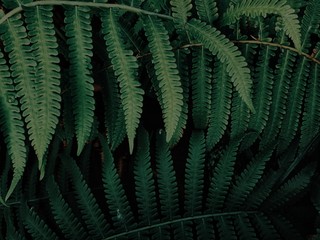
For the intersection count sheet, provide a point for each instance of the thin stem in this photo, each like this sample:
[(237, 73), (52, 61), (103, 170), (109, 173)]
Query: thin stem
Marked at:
[(82, 4)]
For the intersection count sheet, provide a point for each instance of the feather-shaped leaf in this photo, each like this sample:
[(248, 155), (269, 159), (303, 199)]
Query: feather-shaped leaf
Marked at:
[(79, 33), (166, 72), (181, 10), (248, 179), (145, 185), (221, 178), (240, 115), (91, 213), (220, 105), (166, 179), (116, 198), (205, 229), (44, 45), (38, 229), (11, 125), (125, 68), (255, 8), (227, 53), (201, 87), (226, 228), (63, 214), (194, 175), (265, 228), (244, 227), (207, 10)]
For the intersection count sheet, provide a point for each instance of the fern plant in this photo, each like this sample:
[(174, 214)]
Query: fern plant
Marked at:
[(232, 86)]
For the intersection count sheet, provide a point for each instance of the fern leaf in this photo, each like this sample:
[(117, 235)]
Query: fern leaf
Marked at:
[(63, 214), (248, 180), (221, 179), (279, 97), (228, 54), (11, 4), (182, 56), (168, 191), (254, 8), (244, 227), (205, 229), (44, 45), (201, 87), (310, 23), (220, 105), (291, 188), (183, 230), (79, 33), (114, 113), (181, 10), (240, 115), (145, 186), (11, 125), (226, 228), (91, 213), (166, 72), (264, 227), (116, 198), (38, 229), (286, 229), (310, 121), (125, 68), (291, 119), (194, 182), (207, 10)]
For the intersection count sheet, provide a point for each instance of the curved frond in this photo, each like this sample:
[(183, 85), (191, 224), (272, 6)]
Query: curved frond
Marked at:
[(44, 45), (222, 177), (194, 176), (166, 72), (37, 228), (166, 180), (227, 53), (207, 10), (201, 87), (116, 198), (145, 184), (90, 211), (79, 33), (181, 10), (125, 68), (11, 125), (220, 105), (254, 8), (63, 214)]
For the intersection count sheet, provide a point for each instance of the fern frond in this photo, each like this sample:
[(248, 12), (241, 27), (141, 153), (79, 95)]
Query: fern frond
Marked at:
[(227, 53), (145, 185), (125, 68), (116, 198), (291, 188), (11, 4), (44, 45), (280, 92), (244, 227), (63, 214), (240, 115), (310, 23), (285, 228), (221, 178), (79, 33), (114, 113), (91, 213), (181, 10), (194, 181), (166, 72), (205, 229), (37, 228), (166, 179), (226, 228), (207, 10), (264, 227), (248, 179), (291, 119), (254, 8), (201, 87), (183, 230), (311, 115), (220, 105), (11, 125)]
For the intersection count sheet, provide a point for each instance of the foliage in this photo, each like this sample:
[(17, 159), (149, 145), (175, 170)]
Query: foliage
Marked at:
[(157, 119)]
